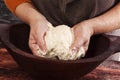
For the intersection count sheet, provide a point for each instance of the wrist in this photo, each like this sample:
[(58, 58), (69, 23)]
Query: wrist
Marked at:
[(89, 25), (96, 25), (36, 21)]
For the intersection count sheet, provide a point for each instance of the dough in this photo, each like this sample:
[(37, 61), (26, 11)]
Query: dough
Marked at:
[(58, 40)]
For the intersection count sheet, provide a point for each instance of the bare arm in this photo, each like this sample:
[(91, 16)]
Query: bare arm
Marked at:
[(28, 13), (104, 23), (38, 25)]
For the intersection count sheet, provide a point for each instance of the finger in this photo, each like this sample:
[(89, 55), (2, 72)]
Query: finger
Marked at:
[(32, 45), (77, 44), (38, 37), (34, 48), (41, 43), (86, 45)]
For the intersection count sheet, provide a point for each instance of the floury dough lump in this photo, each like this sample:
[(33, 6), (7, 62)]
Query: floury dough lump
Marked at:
[(58, 41)]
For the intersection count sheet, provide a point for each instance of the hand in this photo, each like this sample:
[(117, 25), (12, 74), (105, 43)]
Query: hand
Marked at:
[(37, 32), (82, 33)]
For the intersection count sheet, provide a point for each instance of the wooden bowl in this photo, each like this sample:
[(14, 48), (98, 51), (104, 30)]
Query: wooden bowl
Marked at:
[(15, 38)]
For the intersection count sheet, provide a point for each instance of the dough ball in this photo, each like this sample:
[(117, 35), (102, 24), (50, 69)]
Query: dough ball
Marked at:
[(58, 41)]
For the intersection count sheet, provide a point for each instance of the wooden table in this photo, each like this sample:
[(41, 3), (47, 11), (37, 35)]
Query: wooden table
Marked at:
[(9, 70)]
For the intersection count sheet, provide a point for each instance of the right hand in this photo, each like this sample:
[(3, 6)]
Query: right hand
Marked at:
[(82, 34), (38, 30)]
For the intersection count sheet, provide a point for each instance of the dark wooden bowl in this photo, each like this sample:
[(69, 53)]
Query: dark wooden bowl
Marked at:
[(15, 38)]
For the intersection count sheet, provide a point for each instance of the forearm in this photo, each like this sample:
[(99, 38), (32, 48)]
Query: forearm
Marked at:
[(28, 13), (107, 22)]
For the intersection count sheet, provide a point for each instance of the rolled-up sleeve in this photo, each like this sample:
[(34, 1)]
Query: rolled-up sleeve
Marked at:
[(12, 4)]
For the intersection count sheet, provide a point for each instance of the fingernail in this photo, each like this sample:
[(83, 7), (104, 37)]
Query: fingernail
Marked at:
[(44, 51), (74, 50)]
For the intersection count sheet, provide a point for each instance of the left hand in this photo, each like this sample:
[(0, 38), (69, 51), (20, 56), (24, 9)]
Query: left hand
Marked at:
[(82, 33)]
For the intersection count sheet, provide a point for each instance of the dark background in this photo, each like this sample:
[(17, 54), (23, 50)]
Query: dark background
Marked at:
[(6, 16)]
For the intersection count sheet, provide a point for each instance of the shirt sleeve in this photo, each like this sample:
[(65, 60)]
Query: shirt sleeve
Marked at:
[(12, 4)]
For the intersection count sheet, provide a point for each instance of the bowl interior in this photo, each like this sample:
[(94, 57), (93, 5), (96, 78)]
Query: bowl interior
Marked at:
[(19, 36)]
